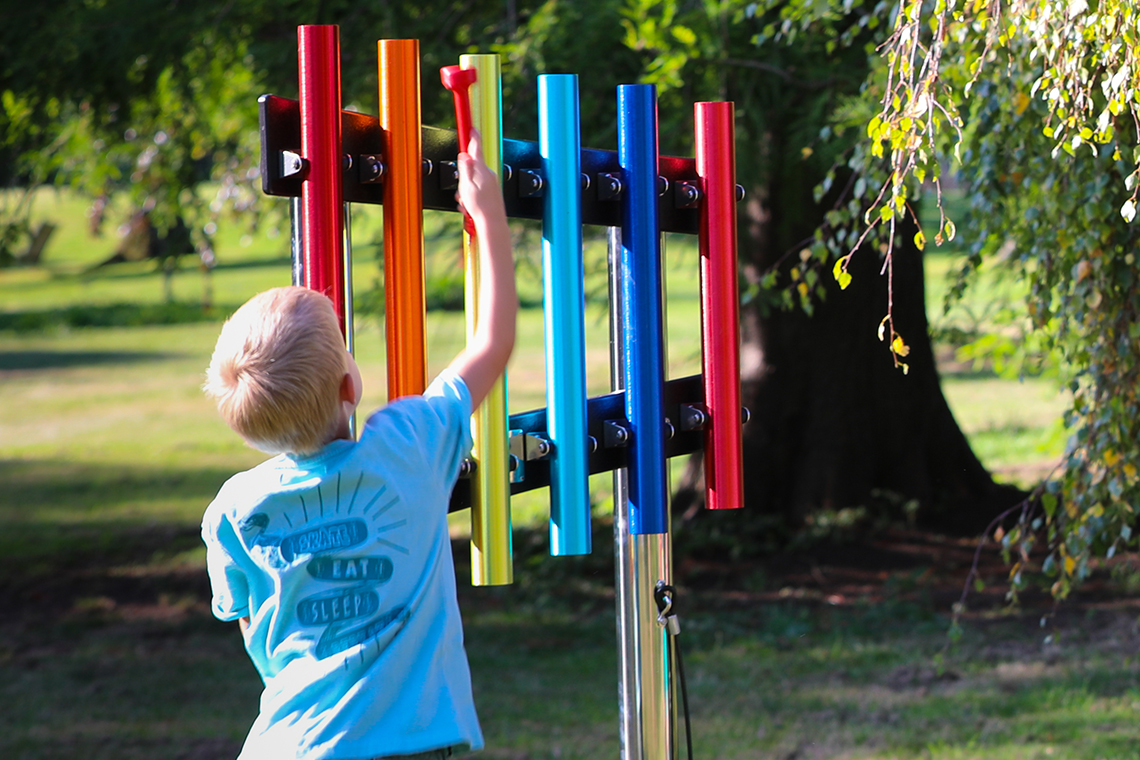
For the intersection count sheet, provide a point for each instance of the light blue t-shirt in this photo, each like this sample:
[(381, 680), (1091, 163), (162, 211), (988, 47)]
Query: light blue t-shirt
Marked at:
[(342, 562)]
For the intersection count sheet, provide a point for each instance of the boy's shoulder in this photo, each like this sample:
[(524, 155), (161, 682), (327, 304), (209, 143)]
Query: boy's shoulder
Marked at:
[(244, 490)]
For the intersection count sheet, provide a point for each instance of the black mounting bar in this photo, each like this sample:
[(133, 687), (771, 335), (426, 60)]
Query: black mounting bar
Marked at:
[(282, 170), (608, 452)]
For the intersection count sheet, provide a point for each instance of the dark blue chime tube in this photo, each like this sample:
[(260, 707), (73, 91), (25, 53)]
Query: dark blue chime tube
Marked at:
[(565, 313), (641, 317)]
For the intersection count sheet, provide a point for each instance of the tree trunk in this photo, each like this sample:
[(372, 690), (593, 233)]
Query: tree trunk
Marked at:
[(834, 423)]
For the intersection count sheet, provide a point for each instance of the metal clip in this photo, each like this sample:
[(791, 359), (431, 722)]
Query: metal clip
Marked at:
[(664, 595), (292, 163), (745, 415), (739, 193), (467, 468)]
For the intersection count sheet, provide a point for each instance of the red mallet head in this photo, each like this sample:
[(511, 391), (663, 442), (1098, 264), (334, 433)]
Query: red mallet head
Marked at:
[(459, 81)]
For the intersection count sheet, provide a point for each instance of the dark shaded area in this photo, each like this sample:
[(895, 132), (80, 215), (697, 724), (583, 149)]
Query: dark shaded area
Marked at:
[(112, 315), (43, 360)]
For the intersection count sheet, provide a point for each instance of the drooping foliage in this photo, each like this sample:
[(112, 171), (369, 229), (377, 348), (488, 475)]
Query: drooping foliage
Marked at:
[(1036, 104)]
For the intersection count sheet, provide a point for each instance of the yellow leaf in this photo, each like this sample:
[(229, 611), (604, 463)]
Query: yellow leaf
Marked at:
[(806, 153), (900, 348), (1130, 471), (920, 240), (1111, 457), (1020, 103), (803, 288), (1070, 564)]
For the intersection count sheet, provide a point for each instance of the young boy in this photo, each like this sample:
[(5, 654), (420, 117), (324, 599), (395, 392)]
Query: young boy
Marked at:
[(334, 555)]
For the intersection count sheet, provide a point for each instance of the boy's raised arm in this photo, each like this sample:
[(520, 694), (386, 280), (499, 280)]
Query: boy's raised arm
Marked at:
[(485, 357)]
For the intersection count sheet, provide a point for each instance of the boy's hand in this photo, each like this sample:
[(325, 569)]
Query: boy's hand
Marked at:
[(479, 194)]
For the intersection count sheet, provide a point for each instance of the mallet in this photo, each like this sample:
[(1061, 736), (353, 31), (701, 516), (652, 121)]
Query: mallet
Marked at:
[(459, 81)]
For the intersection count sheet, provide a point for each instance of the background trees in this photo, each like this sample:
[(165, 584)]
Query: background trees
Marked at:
[(155, 98)]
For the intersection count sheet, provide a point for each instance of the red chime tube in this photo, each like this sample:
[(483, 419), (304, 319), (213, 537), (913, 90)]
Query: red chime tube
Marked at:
[(720, 310), (322, 195)]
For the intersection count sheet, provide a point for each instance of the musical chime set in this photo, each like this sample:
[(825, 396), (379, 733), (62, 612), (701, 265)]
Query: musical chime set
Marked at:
[(324, 158)]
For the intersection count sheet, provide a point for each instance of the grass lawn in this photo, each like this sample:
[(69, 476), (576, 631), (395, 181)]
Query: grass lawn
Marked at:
[(109, 452)]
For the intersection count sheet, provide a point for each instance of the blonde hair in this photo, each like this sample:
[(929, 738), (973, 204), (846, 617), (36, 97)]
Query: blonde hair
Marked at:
[(277, 369)]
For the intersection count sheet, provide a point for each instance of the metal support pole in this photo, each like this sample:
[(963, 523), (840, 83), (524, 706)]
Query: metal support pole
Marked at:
[(349, 325), (297, 240), (645, 683)]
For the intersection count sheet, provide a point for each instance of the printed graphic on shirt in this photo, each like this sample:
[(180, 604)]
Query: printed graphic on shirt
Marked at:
[(338, 606), (350, 612), (377, 569), (330, 537)]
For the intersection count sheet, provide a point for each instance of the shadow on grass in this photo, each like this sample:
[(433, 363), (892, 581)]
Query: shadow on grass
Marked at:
[(42, 360), (62, 541), (112, 315)]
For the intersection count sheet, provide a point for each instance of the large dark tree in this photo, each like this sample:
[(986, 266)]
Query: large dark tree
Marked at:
[(836, 423)]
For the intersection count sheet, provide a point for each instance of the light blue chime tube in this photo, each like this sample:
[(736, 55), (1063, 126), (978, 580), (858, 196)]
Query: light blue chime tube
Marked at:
[(564, 298), (641, 309)]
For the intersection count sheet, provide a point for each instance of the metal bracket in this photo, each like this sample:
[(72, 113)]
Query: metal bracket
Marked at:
[(686, 195), (292, 163), (527, 447), (616, 434), (371, 169), (448, 175), (693, 416), (531, 184), (609, 186)]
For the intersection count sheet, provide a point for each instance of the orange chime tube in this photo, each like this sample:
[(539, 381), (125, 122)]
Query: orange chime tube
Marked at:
[(403, 217), (322, 194)]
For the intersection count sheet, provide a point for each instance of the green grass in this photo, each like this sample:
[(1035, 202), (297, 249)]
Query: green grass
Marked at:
[(108, 453)]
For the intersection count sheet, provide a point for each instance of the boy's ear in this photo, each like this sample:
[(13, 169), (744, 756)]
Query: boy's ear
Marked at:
[(348, 388)]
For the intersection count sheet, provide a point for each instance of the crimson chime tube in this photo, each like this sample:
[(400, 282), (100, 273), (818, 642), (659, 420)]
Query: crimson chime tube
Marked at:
[(322, 195), (720, 311)]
